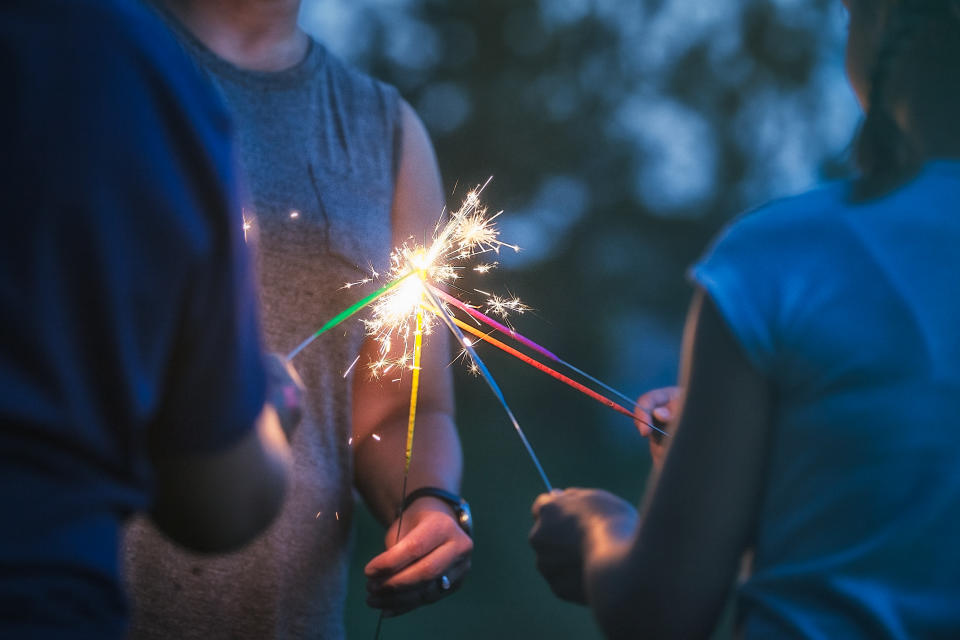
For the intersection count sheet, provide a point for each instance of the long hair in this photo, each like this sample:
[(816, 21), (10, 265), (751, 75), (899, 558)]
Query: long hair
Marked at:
[(913, 110)]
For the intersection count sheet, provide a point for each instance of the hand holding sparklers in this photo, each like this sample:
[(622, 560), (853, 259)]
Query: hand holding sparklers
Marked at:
[(658, 406)]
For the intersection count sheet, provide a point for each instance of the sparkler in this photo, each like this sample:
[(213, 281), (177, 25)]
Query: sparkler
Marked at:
[(346, 313), (607, 402), (411, 424), (398, 313), (414, 388), (488, 377), (482, 317)]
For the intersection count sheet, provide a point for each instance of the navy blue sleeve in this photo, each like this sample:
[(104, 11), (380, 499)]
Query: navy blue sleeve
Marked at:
[(133, 318), (215, 384)]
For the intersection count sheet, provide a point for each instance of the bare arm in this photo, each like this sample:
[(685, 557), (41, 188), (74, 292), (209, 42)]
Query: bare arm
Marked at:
[(684, 556), (431, 543), (669, 575), (221, 501)]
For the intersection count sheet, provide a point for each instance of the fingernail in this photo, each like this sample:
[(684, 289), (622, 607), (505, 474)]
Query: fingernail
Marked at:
[(662, 413)]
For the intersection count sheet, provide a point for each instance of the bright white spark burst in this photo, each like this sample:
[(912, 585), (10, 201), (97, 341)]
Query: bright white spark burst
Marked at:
[(469, 232), (503, 307), (247, 225)]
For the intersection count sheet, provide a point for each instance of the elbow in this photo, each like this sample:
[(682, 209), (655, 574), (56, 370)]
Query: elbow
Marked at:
[(641, 605), (641, 618), (208, 526), (620, 609), (221, 502), (218, 530)]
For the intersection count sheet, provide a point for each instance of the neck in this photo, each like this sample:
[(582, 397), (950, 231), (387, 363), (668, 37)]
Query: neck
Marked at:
[(260, 35)]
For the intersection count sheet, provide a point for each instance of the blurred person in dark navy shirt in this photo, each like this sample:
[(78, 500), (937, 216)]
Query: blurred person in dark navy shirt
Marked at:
[(131, 373)]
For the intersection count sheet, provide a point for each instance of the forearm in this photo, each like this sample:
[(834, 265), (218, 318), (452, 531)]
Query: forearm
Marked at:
[(609, 582), (652, 480), (632, 595), (436, 460), (220, 501)]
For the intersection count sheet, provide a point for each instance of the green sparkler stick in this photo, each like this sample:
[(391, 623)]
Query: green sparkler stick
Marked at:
[(346, 313)]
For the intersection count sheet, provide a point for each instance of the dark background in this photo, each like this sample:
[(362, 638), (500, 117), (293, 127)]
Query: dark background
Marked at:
[(621, 136)]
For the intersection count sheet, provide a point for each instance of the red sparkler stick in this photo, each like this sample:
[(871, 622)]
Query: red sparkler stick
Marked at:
[(607, 402), (484, 318)]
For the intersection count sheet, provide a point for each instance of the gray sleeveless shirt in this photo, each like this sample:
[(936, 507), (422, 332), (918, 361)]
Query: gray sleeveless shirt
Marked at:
[(318, 146)]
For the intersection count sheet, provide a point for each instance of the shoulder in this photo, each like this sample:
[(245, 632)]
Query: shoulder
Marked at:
[(121, 120), (768, 257), (126, 31), (814, 210), (372, 114), (111, 53), (785, 225), (355, 85)]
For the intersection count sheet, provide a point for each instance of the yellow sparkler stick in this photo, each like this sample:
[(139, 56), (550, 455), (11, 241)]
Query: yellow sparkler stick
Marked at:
[(411, 423), (414, 388)]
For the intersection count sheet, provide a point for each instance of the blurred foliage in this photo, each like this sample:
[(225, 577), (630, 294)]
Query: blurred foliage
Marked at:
[(622, 134)]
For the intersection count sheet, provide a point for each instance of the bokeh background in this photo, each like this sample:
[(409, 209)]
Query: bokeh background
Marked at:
[(622, 135)]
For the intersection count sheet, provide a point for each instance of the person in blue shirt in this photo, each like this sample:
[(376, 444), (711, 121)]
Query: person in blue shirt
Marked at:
[(131, 373), (819, 422)]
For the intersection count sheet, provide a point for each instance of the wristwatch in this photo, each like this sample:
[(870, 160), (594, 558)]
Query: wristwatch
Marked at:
[(461, 509)]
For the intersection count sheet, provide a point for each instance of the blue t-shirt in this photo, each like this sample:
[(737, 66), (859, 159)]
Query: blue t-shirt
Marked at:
[(852, 311), (128, 319)]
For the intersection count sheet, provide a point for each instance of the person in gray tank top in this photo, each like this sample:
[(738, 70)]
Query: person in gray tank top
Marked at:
[(339, 170)]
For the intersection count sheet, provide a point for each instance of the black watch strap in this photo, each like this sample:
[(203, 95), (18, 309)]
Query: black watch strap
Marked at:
[(461, 509)]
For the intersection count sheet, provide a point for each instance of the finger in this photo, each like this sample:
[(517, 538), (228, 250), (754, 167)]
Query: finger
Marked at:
[(535, 535), (428, 568), (547, 540), (664, 396), (641, 423), (544, 499), (564, 580), (663, 415), (645, 410), (419, 542), (455, 574), (401, 601), (654, 398)]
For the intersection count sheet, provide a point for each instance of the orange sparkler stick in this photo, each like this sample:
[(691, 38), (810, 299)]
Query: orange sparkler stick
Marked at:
[(607, 402)]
